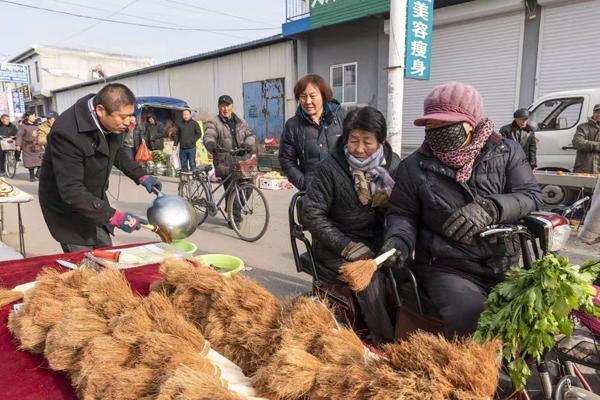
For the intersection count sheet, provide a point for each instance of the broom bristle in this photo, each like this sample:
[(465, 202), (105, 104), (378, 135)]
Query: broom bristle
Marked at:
[(358, 274), (9, 296), (186, 383)]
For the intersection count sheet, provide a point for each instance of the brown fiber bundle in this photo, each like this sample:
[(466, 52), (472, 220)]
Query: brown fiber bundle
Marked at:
[(156, 348), (8, 296), (290, 374), (243, 323), (118, 383), (65, 340), (465, 365), (166, 319), (187, 384), (304, 321), (109, 293), (340, 346), (131, 327), (358, 274), (32, 337), (342, 383)]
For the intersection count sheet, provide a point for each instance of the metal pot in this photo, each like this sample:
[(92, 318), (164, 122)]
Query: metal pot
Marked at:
[(173, 215)]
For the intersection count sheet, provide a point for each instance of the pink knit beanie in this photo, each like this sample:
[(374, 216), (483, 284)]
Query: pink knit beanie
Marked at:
[(452, 102)]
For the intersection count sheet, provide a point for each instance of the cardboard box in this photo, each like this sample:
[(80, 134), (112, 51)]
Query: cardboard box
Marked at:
[(272, 183)]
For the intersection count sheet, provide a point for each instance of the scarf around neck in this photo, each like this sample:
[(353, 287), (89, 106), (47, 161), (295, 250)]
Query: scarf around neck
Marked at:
[(463, 159), (369, 175)]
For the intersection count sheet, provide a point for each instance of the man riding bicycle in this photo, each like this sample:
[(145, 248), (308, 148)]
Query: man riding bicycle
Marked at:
[(463, 178), (224, 133)]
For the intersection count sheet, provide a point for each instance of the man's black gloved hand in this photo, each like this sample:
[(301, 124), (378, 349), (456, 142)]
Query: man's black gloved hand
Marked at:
[(398, 258), (357, 251), (469, 220)]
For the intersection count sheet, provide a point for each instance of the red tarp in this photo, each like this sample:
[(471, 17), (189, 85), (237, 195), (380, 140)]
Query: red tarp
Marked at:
[(26, 376)]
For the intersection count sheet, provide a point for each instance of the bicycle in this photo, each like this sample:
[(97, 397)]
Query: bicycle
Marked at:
[(246, 209), (9, 146)]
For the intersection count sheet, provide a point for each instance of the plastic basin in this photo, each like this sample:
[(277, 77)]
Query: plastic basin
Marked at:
[(185, 246), (226, 265)]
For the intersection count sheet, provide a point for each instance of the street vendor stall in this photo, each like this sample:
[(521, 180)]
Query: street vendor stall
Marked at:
[(12, 195), (558, 186)]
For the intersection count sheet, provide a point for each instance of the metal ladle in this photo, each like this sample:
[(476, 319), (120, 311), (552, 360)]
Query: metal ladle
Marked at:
[(171, 217)]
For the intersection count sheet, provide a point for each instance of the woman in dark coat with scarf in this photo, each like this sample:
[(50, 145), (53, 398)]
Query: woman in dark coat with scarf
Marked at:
[(345, 205), (464, 178), (28, 144), (310, 135)]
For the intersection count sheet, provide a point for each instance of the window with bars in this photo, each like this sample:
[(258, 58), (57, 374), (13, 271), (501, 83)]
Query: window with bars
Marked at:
[(343, 82)]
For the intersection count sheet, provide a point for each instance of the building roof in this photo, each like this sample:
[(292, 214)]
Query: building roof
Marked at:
[(35, 49), (182, 61)]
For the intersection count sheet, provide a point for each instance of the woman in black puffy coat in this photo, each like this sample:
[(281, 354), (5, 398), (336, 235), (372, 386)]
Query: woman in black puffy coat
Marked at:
[(310, 135), (345, 205)]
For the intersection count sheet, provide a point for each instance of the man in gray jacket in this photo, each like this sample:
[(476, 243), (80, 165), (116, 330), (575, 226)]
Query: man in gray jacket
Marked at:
[(224, 133), (587, 143)]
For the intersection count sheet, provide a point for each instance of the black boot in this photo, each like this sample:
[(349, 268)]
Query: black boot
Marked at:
[(37, 173), (32, 175)]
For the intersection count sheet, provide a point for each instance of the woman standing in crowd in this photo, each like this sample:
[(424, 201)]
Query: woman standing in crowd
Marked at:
[(462, 179), (310, 135), (345, 206), (154, 133), (27, 142)]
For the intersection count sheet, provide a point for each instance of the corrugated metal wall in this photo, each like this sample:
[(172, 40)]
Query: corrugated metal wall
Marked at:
[(568, 50), (201, 83), (482, 53)]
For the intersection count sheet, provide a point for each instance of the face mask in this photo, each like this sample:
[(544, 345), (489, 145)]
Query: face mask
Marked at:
[(446, 138)]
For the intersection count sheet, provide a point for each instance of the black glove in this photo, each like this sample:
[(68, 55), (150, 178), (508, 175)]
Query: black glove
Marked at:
[(357, 251), (398, 258), (469, 220)]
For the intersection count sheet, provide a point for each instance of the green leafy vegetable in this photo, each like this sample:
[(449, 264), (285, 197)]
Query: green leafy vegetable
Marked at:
[(159, 157), (531, 306)]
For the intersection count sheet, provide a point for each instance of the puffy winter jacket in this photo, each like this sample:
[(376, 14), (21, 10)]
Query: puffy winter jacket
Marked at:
[(587, 143), (426, 194), (525, 137), (334, 215), (304, 144)]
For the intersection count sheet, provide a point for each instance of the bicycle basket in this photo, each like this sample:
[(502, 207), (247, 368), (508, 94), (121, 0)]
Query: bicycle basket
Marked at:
[(244, 169), (8, 144)]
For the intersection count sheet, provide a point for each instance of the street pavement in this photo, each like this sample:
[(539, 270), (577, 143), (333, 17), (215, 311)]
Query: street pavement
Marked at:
[(270, 257)]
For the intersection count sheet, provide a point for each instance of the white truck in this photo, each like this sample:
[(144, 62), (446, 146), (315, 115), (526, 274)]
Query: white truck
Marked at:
[(554, 118)]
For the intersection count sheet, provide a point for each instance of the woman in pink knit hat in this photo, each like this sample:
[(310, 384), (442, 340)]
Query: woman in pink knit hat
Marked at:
[(462, 179)]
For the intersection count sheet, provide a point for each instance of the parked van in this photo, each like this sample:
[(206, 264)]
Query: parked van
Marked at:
[(555, 117)]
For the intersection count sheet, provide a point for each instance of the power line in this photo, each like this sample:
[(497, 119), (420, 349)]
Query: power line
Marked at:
[(133, 23), (220, 13), (96, 23), (142, 17)]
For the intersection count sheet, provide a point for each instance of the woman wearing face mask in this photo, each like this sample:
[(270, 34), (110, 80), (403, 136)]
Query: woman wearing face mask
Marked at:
[(27, 141), (345, 204), (462, 179), (309, 136)]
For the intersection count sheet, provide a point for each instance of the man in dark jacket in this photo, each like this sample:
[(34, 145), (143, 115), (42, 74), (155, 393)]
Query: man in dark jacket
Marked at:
[(521, 132), (464, 178), (84, 145), (188, 133), (154, 133), (7, 129), (310, 135), (587, 143)]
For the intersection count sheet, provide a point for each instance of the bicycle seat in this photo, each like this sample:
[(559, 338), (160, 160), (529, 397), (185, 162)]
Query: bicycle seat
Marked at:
[(204, 168)]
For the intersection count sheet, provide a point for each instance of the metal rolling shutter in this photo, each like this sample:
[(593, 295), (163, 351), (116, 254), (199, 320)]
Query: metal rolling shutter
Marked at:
[(569, 57), (483, 53)]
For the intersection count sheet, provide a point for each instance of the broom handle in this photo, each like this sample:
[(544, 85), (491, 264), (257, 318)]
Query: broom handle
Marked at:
[(383, 257)]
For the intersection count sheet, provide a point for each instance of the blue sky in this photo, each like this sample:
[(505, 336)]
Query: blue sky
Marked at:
[(23, 27)]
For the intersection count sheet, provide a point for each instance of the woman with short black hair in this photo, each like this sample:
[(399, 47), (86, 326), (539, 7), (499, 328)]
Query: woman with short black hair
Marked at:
[(345, 205), (309, 136), (27, 142)]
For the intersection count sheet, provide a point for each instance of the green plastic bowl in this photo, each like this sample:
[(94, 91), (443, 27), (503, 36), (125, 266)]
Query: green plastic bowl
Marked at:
[(225, 264), (185, 246)]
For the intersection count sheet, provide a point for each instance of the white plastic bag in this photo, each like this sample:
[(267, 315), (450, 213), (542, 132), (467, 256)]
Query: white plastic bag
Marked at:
[(174, 159)]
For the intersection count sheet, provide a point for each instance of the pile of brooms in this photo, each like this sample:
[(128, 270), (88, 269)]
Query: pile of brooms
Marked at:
[(115, 345)]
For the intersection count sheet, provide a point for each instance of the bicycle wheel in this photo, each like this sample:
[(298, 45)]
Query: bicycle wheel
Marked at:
[(195, 192), (10, 164), (248, 212)]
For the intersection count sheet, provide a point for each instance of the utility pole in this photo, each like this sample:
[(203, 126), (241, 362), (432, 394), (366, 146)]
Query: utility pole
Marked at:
[(397, 48)]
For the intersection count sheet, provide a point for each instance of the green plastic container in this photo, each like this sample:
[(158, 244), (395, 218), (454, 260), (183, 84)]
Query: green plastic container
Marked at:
[(185, 246), (227, 265)]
